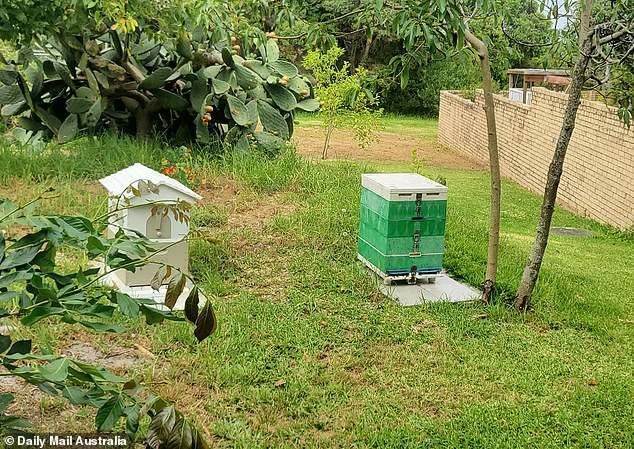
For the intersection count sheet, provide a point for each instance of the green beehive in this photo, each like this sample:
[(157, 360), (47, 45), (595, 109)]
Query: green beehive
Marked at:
[(402, 224)]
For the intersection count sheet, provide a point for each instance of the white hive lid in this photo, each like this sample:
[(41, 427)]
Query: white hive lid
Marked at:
[(388, 184), (118, 182)]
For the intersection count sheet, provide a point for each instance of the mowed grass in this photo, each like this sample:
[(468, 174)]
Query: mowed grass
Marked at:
[(309, 355), (419, 127)]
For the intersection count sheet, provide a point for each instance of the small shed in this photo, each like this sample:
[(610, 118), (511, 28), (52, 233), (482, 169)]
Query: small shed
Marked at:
[(522, 80), (140, 199)]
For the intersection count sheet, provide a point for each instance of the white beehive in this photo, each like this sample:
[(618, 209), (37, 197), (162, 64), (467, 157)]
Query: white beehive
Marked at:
[(137, 212)]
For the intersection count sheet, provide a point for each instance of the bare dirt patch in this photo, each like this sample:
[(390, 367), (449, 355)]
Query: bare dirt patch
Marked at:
[(254, 215), (55, 414), (388, 147), (243, 212), (221, 190), (118, 359)]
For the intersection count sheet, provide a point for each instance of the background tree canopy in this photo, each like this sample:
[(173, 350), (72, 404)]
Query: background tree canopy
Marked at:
[(186, 36), (372, 36)]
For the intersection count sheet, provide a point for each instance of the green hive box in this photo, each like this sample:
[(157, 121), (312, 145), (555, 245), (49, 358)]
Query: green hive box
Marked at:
[(402, 224)]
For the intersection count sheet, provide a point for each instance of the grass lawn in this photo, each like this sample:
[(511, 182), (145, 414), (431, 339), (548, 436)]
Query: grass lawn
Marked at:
[(309, 355)]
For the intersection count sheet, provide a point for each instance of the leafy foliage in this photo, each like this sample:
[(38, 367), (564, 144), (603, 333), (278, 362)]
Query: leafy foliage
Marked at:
[(343, 97), (32, 288), (130, 66), (422, 94), (178, 164)]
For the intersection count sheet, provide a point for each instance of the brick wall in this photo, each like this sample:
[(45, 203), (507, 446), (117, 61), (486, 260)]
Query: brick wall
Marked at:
[(598, 178)]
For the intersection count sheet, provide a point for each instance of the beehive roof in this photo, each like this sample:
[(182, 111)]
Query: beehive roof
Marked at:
[(117, 183), (388, 183)]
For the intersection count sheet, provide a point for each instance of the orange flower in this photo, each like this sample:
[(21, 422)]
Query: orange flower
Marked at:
[(168, 171), (188, 170), (191, 177), (189, 150)]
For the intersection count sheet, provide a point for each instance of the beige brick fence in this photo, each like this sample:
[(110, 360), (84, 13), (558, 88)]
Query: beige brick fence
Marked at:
[(598, 179)]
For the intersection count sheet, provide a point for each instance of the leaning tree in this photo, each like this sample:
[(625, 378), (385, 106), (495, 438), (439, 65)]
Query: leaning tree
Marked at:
[(604, 36), (187, 70)]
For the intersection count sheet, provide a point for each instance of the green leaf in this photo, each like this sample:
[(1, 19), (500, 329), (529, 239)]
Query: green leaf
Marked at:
[(13, 109), (246, 78), (234, 135), (220, 86), (161, 427), (191, 305), (41, 312), (252, 108), (258, 93), (284, 68), (55, 371), (269, 143), (158, 278), (127, 305), (202, 130), (171, 100), (309, 105), (242, 146), (5, 341), (20, 257), (228, 58), (238, 110), (10, 94), (212, 71), (98, 373), (272, 120), (109, 413), (206, 322), (76, 105), (102, 327), (184, 47), (8, 76), (404, 77), (76, 227), (5, 400), (154, 316), (75, 395), (297, 85), (156, 79), (8, 296), (253, 64), (50, 120), (132, 420), (282, 97), (69, 129), (20, 347), (94, 113), (174, 289), (92, 81), (198, 92), (64, 74), (181, 436), (272, 51)]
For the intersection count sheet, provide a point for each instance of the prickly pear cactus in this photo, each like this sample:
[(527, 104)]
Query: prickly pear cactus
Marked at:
[(196, 87)]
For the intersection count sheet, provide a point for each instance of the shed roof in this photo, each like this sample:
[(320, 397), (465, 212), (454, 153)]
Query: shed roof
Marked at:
[(544, 72), (117, 183)]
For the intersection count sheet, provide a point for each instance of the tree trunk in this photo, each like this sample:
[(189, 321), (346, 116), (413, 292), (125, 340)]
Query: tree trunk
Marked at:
[(531, 270), (324, 153), (366, 50), (142, 113), (494, 165)]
